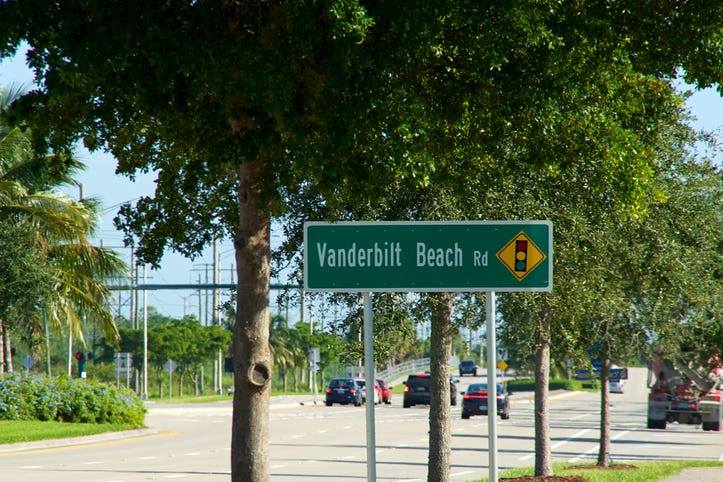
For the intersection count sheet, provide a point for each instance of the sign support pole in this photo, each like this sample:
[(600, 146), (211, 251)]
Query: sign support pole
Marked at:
[(491, 386), (370, 380)]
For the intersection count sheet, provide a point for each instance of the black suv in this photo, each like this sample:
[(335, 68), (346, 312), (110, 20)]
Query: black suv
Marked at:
[(417, 390), (467, 366), (344, 391)]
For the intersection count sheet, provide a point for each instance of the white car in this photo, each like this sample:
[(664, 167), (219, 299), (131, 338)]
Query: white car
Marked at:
[(616, 386)]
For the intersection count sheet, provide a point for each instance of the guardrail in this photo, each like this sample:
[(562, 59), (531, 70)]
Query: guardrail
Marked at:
[(393, 372)]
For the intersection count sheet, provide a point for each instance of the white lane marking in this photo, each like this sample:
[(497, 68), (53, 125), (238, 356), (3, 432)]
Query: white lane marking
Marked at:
[(458, 474), (192, 453), (597, 447), (561, 442), (91, 463), (280, 466)]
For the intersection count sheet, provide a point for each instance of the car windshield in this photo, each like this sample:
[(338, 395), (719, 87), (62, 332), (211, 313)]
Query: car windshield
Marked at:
[(341, 382), (467, 362), (360, 383), (482, 387)]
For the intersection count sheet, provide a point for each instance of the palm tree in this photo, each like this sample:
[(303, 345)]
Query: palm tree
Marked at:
[(62, 226)]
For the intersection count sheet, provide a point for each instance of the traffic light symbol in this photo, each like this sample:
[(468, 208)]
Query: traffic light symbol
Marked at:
[(521, 255)]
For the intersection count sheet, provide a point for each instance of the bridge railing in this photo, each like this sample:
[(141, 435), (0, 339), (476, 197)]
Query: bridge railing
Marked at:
[(393, 372)]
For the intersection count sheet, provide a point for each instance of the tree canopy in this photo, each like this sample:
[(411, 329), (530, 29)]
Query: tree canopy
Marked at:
[(236, 106)]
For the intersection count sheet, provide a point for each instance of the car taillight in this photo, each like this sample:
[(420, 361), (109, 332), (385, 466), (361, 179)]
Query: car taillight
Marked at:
[(693, 405), (352, 390), (406, 388), (328, 389)]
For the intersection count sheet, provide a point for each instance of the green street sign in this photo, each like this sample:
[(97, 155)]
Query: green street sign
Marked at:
[(419, 256)]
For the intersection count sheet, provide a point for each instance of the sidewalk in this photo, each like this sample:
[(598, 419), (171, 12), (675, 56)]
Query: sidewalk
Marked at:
[(698, 474)]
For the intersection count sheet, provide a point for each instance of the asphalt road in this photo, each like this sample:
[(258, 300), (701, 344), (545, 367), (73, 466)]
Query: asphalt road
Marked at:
[(315, 442)]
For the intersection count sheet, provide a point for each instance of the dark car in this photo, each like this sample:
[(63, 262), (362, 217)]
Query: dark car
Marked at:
[(474, 401), (417, 390), (344, 391), (467, 366), (386, 391)]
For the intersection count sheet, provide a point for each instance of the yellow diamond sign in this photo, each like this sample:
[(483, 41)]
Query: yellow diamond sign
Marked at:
[(521, 256)]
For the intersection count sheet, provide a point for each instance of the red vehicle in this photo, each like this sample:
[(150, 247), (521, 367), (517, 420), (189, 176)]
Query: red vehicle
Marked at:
[(684, 395), (386, 392), (377, 394)]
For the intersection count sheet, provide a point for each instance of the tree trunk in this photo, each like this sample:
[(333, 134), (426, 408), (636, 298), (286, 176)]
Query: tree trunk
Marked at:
[(251, 349), (8, 351), (440, 438), (2, 347), (603, 458), (543, 456)]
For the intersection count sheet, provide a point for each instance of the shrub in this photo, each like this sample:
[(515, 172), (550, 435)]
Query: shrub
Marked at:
[(528, 384), (66, 399)]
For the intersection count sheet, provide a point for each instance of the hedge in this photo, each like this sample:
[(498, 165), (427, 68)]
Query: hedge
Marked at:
[(63, 399)]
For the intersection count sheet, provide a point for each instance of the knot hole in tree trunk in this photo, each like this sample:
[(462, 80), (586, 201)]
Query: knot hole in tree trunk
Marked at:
[(259, 374)]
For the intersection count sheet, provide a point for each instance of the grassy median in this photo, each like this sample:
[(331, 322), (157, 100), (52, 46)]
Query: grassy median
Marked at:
[(14, 431), (638, 472)]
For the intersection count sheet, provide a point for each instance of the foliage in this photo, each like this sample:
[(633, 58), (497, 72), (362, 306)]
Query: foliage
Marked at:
[(60, 226), (237, 106), (528, 384), (24, 275), (185, 341), (67, 400)]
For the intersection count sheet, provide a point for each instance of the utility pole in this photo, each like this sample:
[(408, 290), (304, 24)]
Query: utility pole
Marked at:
[(218, 369)]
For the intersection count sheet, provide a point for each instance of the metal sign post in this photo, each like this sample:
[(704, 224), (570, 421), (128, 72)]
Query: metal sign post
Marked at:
[(370, 381), (491, 385)]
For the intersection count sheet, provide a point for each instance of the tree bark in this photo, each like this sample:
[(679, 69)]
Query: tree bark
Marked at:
[(543, 456), (2, 347), (251, 349), (603, 458), (440, 438)]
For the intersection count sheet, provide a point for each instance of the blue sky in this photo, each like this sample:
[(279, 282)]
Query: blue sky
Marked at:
[(100, 181)]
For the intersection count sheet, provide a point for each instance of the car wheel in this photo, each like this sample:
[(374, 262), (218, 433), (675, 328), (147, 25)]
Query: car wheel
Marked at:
[(465, 415), (475, 372), (406, 404), (328, 404), (712, 426), (505, 415)]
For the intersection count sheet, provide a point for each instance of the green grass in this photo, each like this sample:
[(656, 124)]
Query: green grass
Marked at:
[(13, 431), (645, 472)]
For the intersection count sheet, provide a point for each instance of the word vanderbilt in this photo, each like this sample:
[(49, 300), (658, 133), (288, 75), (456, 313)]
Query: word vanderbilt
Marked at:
[(391, 255)]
